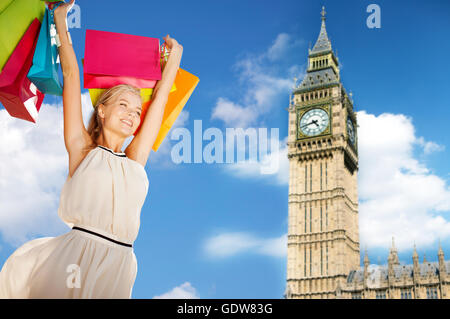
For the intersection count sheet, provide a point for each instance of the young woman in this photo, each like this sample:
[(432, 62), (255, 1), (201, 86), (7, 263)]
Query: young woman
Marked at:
[(102, 197)]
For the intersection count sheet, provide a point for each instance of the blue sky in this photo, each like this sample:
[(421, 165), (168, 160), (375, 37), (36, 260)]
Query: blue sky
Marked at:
[(214, 231)]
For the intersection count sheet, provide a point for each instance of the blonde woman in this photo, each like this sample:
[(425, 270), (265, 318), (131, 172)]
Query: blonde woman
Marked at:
[(102, 197)]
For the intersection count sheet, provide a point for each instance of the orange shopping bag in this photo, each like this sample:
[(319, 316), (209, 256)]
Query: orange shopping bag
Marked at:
[(185, 84)]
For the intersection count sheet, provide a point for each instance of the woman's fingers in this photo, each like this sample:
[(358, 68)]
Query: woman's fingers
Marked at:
[(64, 7), (171, 42)]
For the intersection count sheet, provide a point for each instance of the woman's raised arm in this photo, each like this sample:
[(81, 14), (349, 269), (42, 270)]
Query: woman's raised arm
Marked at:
[(141, 145), (75, 133)]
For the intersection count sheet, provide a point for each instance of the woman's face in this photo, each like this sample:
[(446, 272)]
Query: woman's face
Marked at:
[(123, 114)]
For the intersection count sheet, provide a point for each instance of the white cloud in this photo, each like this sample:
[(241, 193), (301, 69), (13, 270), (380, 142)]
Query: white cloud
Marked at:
[(263, 91), (429, 147), (262, 88), (184, 291), (228, 244), (281, 45), (33, 170), (398, 195), (233, 115), (253, 169)]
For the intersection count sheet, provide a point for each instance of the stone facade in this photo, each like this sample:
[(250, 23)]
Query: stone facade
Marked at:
[(323, 254)]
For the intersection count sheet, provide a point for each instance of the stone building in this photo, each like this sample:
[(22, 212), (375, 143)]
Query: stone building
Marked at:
[(428, 280), (323, 253)]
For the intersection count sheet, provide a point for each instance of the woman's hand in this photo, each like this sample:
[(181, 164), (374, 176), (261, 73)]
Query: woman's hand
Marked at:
[(173, 45), (142, 143), (62, 10)]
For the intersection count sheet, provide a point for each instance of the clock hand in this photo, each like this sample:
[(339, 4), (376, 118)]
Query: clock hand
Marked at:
[(315, 122), (307, 124)]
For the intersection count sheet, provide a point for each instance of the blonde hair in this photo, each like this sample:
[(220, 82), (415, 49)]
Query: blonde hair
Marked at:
[(95, 124)]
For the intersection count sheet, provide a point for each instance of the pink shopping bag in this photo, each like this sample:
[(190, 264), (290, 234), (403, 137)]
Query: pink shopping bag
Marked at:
[(18, 95), (115, 58)]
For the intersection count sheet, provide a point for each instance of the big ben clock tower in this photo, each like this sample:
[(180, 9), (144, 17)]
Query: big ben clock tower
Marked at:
[(323, 236)]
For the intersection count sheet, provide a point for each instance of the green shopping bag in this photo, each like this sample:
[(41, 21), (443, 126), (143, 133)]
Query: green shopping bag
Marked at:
[(15, 18)]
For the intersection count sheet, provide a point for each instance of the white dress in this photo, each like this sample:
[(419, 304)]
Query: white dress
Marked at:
[(105, 195)]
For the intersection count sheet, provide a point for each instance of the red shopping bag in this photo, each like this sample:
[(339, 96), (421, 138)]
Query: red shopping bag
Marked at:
[(115, 58), (18, 95)]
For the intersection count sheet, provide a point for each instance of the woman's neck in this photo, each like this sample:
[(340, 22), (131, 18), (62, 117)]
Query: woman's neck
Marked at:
[(111, 141)]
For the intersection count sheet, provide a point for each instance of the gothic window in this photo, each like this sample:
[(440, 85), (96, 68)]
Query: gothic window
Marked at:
[(320, 216), (406, 294), (321, 260), (310, 218), (356, 295), (306, 177), (310, 177), (320, 176), (310, 260), (431, 293), (305, 217), (305, 262), (381, 294)]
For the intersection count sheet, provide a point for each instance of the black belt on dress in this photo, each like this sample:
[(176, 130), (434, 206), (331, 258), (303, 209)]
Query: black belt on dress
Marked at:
[(100, 235)]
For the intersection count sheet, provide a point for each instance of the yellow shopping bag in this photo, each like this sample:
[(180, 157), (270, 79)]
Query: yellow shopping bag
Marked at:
[(146, 94)]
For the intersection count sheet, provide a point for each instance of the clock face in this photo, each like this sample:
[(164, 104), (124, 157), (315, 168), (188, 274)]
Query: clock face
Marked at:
[(351, 130), (314, 122)]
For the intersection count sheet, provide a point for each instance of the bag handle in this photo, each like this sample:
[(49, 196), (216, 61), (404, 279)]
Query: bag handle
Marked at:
[(55, 5), (165, 52)]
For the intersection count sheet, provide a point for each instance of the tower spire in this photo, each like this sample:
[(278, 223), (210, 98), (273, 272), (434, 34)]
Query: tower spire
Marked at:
[(393, 253), (415, 251), (322, 43), (440, 252)]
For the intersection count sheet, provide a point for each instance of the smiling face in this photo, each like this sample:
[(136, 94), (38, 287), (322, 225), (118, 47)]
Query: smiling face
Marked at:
[(122, 114)]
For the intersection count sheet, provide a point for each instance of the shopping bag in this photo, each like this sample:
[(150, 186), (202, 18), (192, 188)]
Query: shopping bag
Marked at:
[(44, 71), (116, 58), (185, 84), (15, 18), (146, 94), (18, 94)]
